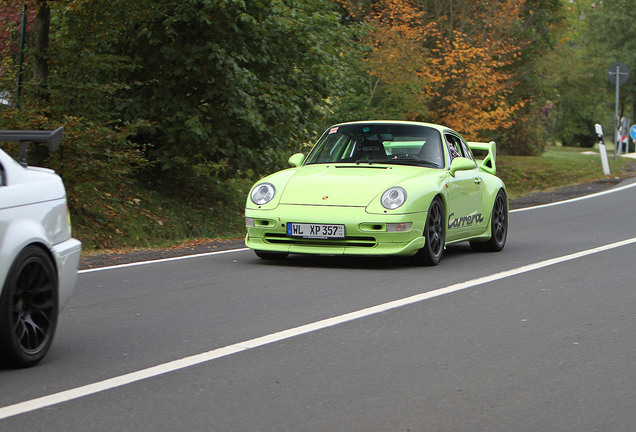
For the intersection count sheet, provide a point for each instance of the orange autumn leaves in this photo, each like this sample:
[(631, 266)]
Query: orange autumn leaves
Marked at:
[(454, 69)]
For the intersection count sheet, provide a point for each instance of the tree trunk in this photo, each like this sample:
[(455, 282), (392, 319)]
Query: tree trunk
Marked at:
[(41, 43)]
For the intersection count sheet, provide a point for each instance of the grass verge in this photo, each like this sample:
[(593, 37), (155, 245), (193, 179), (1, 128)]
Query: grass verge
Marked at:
[(146, 215), (557, 167)]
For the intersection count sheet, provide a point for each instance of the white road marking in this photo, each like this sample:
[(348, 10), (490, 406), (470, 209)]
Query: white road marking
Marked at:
[(90, 389), (609, 191), (134, 264)]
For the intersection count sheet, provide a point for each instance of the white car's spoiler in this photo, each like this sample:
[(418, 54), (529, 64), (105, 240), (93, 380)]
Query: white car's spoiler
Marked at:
[(54, 138)]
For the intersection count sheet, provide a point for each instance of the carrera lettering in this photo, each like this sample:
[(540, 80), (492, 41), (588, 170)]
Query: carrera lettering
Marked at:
[(463, 221)]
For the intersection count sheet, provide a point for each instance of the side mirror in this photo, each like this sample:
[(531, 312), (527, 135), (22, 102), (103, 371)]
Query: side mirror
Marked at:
[(461, 164), (296, 160)]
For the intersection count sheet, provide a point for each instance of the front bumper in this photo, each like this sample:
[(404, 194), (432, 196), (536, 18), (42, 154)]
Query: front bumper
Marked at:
[(67, 256), (365, 233)]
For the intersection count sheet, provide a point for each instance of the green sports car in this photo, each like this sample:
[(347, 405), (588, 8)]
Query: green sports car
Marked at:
[(381, 188)]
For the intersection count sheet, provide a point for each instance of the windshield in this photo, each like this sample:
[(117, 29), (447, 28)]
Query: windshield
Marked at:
[(379, 143)]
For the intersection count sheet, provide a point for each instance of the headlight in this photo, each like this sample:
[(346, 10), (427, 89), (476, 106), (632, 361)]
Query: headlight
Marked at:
[(263, 193), (393, 198)]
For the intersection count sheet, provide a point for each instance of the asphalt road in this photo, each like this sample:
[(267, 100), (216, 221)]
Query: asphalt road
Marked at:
[(538, 337)]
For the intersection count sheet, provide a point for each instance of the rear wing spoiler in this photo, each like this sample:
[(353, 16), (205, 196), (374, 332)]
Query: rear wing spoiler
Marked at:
[(488, 163), (54, 138)]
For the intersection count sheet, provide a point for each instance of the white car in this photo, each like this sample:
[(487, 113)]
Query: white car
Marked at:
[(38, 256)]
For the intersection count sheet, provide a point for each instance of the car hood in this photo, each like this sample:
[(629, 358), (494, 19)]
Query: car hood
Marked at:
[(344, 185)]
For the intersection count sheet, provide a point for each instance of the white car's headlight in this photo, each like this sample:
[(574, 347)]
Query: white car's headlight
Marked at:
[(393, 198), (263, 193)]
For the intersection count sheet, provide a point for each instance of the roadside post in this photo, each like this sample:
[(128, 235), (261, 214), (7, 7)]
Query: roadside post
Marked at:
[(602, 149), (617, 74)]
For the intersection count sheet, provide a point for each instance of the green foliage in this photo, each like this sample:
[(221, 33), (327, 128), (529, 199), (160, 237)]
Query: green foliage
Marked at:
[(96, 151), (525, 137), (92, 155), (614, 43), (577, 76), (224, 81)]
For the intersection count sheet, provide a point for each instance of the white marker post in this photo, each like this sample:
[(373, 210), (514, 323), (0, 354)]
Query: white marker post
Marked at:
[(602, 149)]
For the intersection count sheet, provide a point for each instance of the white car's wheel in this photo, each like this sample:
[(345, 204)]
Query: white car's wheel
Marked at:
[(28, 309)]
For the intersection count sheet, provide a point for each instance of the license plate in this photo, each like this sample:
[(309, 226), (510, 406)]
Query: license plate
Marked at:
[(317, 231)]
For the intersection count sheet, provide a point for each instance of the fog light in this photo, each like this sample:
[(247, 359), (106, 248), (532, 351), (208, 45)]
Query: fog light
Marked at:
[(393, 227), (249, 222)]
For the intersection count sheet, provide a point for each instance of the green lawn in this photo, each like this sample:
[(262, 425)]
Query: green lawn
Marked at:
[(557, 167)]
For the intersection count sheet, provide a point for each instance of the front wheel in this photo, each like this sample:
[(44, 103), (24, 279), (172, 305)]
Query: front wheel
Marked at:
[(498, 227), (434, 235), (28, 309)]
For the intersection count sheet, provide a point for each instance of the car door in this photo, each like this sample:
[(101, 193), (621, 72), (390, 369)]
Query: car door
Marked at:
[(465, 215)]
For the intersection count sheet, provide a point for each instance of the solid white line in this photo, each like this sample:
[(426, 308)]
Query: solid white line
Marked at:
[(68, 395), (119, 266), (607, 192)]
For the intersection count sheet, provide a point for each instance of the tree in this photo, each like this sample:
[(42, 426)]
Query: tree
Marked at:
[(10, 29), (40, 45), (577, 76), (220, 81), (448, 65), (468, 64), (66, 91), (615, 43)]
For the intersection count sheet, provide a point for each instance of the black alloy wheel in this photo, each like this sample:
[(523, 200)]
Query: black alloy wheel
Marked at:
[(498, 227), (28, 309), (434, 235)]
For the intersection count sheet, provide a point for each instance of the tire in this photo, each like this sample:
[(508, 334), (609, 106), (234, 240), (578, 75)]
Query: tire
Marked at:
[(498, 227), (28, 309), (271, 256), (434, 235)]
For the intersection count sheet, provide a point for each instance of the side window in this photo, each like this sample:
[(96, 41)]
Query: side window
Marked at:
[(2, 178), (454, 146), (466, 151)]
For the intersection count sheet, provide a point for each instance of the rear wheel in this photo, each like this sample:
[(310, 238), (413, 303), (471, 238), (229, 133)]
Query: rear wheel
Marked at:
[(271, 256), (28, 309), (498, 227), (434, 235)]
